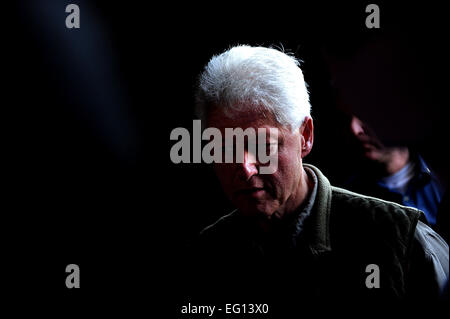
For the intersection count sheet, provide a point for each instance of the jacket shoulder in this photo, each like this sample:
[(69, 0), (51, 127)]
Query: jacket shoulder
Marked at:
[(372, 203), (381, 213), (222, 227)]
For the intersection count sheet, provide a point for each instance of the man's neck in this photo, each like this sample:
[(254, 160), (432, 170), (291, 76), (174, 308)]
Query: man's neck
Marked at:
[(298, 197)]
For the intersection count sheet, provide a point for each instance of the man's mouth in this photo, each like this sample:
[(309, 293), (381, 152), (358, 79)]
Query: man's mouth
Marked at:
[(368, 146), (255, 192)]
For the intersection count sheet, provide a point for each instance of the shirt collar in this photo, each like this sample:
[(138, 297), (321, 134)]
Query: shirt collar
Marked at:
[(307, 207), (423, 167)]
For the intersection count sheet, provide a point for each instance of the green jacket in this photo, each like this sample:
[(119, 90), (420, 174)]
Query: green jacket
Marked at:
[(352, 246)]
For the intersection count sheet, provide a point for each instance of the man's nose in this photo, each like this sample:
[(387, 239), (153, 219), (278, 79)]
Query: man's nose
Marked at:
[(357, 126), (249, 166)]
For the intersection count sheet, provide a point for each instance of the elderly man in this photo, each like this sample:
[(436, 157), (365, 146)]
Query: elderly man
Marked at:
[(293, 235)]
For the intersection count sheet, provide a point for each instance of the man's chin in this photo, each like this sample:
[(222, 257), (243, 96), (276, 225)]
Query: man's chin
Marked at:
[(371, 154), (259, 210)]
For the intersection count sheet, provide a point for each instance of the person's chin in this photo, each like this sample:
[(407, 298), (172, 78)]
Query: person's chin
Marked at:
[(372, 154), (260, 209)]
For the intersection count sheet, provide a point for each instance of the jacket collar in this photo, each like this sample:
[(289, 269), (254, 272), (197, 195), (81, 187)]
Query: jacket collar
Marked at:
[(320, 216)]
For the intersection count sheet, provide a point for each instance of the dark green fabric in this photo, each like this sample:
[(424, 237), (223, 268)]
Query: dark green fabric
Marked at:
[(337, 200), (344, 234), (359, 230)]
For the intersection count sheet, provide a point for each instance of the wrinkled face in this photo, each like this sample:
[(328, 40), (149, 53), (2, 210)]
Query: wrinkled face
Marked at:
[(253, 193)]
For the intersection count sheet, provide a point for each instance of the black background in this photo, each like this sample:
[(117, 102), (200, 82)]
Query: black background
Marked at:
[(89, 112)]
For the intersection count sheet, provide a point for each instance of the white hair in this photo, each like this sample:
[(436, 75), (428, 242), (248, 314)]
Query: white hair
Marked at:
[(257, 77)]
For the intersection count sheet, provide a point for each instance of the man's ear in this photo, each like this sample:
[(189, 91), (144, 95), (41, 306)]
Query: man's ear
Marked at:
[(307, 136)]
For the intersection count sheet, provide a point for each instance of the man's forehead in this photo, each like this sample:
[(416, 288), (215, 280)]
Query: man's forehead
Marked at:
[(248, 117)]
